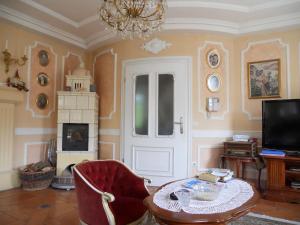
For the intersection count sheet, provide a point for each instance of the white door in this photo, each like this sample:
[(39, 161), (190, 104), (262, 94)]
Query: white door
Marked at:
[(156, 118)]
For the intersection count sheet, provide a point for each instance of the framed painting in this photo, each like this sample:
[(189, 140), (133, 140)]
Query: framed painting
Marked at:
[(213, 58), (42, 101), (42, 79), (264, 79)]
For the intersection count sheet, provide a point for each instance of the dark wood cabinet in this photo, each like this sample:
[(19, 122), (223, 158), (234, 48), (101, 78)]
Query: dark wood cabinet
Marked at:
[(240, 148), (280, 174), (239, 154)]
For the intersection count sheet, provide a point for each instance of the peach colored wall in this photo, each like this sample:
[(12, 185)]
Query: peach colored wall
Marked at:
[(20, 39), (204, 150), (104, 80), (234, 53)]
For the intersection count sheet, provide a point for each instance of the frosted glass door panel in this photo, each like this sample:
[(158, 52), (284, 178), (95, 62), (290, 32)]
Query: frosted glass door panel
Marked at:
[(141, 104), (165, 104)]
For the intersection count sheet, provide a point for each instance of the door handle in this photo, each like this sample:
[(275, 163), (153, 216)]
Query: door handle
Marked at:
[(180, 123)]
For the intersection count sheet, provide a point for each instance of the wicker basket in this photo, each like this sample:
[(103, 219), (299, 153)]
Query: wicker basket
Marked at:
[(32, 181)]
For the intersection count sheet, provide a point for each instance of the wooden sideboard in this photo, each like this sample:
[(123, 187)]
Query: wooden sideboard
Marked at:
[(280, 176)]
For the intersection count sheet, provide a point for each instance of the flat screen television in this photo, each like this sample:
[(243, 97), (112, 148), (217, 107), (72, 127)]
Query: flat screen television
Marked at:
[(281, 124)]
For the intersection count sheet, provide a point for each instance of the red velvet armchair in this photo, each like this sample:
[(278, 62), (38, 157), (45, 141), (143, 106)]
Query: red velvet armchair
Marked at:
[(109, 193)]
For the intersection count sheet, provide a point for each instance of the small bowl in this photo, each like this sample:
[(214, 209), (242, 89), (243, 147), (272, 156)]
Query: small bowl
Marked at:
[(184, 197), (206, 191)]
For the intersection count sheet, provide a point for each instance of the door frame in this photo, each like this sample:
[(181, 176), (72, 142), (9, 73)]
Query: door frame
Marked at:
[(188, 62)]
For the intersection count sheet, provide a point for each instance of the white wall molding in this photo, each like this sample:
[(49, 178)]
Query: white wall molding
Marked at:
[(27, 131), (37, 25), (113, 147), (26, 146), (111, 51), (200, 24), (299, 61), (226, 64), (244, 75), (200, 148), (155, 45), (234, 28), (63, 66), (50, 12), (110, 132), (100, 38), (33, 113), (228, 6), (270, 23), (224, 133)]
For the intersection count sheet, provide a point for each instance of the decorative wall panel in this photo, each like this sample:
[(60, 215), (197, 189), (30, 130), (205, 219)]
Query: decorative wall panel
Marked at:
[(6, 135), (35, 152), (38, 66), (105, 76), (208, 156), (259, 51), (107, 150), (221, 70)]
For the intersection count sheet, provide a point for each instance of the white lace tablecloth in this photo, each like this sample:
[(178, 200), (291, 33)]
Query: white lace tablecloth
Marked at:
[(234, 194)]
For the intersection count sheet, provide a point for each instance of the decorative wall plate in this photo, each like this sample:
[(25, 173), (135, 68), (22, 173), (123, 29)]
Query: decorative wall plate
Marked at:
[(43, 79), (156, 45), (213, 58), (43, 58), (42, 101), (213, 82)]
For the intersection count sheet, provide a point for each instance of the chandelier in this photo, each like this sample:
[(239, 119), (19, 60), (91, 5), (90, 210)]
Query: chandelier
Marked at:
[(133, 18)]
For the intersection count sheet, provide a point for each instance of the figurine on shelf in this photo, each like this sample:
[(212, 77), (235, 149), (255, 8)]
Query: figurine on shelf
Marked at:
[(16, 82)]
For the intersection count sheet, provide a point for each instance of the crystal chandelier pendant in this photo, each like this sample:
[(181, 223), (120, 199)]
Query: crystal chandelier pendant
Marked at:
[(133, 18)]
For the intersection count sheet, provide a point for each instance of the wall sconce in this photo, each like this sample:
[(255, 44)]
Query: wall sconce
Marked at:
[(8, 60)]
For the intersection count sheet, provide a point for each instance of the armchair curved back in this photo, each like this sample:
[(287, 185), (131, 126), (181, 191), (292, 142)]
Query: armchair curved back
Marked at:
[(102, 186)]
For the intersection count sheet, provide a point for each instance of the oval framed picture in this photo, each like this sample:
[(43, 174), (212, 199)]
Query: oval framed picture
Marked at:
[(42, 101), (42, 79), (213, 82), (43, 58), (213, 58)]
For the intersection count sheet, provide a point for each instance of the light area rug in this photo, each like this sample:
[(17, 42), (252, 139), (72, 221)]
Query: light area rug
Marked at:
[(258, 219), (249, 219)]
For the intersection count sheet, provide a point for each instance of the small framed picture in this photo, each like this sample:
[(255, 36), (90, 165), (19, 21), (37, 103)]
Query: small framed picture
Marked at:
[(264, 79), (213, 58), (213, 82), (42, 79), (42, 101), (43, 58)]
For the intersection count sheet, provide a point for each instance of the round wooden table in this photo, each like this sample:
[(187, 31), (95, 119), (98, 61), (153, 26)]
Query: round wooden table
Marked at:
[(163, 216)]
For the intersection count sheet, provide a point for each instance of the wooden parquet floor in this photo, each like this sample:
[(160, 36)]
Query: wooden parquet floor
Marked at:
[(58, 207)]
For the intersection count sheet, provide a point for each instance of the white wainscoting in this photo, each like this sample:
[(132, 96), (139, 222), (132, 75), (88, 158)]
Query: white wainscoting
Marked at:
[(144, 159)]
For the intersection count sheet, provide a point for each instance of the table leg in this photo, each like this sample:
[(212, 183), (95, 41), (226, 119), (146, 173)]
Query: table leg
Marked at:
[(259, 175), (222, 162)]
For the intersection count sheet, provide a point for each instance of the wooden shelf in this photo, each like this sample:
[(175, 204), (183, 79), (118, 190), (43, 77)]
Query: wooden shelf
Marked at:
[(292, 173), (279, 178), (293, 190)]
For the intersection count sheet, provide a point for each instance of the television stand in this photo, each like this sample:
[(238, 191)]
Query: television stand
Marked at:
[(282, 173), (292, 153)]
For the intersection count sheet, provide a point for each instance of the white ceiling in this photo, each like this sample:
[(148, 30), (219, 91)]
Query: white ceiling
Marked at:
[(76, 21)]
